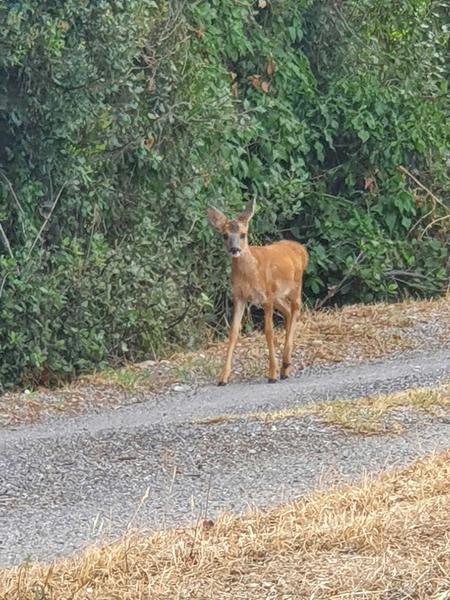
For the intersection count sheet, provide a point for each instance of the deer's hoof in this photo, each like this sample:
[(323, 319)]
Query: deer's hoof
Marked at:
[(220, 383), (272, 380), (284, 376)]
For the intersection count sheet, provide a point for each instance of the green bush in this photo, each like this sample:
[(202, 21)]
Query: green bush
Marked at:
[(122, 121)]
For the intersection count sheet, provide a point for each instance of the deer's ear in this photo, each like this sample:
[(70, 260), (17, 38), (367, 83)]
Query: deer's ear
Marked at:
[(248, 211), (216, 218)]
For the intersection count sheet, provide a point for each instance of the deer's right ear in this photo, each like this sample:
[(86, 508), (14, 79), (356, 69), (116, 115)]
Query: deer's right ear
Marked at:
[(249, 209), (216, 219)]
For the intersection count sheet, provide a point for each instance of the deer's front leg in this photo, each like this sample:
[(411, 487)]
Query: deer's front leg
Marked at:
[(238, 311), (268, 330)]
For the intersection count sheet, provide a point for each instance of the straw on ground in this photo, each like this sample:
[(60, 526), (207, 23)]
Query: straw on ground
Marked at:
[(361, 415)]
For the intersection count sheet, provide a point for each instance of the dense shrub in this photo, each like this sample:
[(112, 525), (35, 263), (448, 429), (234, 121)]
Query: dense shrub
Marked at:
[(121, 121)]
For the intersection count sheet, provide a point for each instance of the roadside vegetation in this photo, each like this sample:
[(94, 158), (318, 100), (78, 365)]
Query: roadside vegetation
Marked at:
[(349, 334), (122, 121)]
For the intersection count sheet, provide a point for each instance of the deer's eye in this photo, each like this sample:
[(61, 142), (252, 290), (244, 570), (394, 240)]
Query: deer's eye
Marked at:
[(242, 236), (225, 236)]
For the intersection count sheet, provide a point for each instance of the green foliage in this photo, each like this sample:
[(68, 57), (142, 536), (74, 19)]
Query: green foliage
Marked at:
[(122, 121)]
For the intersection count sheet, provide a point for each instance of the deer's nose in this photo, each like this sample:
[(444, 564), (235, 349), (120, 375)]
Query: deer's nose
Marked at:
[(234, 250)]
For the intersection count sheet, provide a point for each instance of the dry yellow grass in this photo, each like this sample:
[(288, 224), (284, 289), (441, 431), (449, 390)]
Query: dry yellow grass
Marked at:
[(368, 415), (358, 332), (387, 539), (363, 415)]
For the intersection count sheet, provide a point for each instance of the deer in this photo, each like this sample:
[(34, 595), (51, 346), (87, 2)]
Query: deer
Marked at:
[(270, 276)]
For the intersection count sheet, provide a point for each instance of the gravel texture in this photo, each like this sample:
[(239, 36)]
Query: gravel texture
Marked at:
[(71, 481)]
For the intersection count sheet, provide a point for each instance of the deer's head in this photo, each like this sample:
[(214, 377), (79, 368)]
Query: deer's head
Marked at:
[(234, 231)]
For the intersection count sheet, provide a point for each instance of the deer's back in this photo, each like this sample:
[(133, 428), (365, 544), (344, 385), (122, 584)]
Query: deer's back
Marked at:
[(283, 257)]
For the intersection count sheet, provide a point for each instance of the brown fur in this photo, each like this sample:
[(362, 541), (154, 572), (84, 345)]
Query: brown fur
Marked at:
[(270, 276)]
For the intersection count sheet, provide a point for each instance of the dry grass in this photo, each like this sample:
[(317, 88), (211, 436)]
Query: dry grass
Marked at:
[(353, 333), (368, 415), (371, 415), (357, 333), (387, 539)]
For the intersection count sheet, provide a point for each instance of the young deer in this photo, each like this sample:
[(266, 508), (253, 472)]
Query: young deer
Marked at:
[(270, 276)]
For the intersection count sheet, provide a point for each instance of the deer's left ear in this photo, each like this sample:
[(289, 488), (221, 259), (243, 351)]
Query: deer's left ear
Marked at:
[(248, 211), (216, 218)]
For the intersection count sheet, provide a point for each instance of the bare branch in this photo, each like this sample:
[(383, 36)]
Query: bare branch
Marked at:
[(13, 193), (47, 219), (2, 286), (333, 290), (424, 187), (6, 241), (396, 272), (440, 219)]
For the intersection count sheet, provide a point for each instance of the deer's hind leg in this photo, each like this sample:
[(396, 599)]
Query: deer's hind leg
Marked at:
[(290, 333), (284, 308), (268, 330)]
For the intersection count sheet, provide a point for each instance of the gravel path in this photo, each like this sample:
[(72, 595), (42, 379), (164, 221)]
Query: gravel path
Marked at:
[(69, 482)]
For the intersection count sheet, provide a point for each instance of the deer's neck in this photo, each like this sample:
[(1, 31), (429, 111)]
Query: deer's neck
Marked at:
[(246, 278), (244, 265)]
